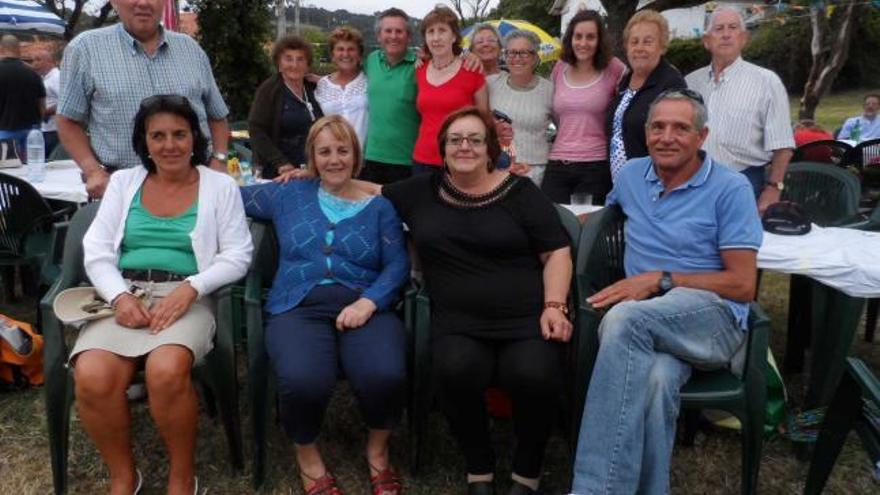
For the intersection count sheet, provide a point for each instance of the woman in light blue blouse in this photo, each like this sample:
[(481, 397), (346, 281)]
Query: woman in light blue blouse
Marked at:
[(342, 263)]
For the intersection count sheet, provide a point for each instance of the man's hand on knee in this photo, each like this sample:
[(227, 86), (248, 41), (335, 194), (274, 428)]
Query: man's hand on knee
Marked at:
[(636, 288)]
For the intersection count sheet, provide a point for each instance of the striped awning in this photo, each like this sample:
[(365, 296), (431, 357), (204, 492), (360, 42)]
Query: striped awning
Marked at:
[(27, 15)]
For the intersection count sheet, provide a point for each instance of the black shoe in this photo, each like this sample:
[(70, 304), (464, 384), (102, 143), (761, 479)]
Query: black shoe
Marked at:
[(518, 488), (481, 488)]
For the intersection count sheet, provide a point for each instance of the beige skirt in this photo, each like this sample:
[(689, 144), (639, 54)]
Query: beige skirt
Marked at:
[(194, 330)]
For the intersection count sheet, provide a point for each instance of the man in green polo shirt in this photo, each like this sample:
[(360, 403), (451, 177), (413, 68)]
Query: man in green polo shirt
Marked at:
[(391, 96)]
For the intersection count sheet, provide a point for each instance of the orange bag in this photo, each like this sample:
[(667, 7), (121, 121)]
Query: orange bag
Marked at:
[(18, 369)]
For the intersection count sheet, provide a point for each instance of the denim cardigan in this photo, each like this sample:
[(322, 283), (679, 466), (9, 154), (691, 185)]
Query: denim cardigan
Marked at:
[(368, 252)]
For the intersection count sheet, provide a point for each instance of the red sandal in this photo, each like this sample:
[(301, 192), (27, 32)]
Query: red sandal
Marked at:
[(386, 482), (325, 485)]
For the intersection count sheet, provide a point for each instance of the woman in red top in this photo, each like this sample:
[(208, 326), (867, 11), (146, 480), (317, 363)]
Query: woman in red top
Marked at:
[(444, 85)]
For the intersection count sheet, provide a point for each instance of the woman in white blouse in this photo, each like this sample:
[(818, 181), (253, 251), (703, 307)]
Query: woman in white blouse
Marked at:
[(344, 92)]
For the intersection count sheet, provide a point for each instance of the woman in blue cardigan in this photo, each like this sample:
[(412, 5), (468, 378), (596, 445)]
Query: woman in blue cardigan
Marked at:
[(342, 263)]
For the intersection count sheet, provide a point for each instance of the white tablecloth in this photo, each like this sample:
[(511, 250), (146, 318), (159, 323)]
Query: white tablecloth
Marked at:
[(846, 259), (63, 181)]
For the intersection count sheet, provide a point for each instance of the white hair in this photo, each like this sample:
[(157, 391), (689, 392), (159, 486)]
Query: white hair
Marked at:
[(710, 21)]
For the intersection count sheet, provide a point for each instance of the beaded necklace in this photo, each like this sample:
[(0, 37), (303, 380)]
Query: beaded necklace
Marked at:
[(454, 196)]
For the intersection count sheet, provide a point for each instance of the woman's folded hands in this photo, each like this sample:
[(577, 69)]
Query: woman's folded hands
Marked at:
[(355, 314)]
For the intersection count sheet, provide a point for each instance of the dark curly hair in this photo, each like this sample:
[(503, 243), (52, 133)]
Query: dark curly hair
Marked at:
[(603, 49), (175, 105), (292, 42), (493, 147)]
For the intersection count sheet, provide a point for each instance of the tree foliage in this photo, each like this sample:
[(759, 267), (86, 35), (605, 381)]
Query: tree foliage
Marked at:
[(236, 34), (535, 11), (470, 11)]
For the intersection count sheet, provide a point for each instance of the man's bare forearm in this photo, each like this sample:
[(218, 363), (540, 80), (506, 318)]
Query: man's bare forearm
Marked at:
[(76, 143)]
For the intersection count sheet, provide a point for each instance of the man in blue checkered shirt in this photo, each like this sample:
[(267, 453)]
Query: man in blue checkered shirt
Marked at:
[(107, 72)]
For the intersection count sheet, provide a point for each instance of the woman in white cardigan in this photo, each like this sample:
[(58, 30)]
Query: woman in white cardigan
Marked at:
[(178, 229)]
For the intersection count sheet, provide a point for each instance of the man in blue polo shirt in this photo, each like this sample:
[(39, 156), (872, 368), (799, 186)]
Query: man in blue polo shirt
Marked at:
[(692, 236)]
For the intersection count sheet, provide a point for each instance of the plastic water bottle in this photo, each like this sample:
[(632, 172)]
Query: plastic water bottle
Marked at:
[(36, 156), (856, 133), (247, 173)]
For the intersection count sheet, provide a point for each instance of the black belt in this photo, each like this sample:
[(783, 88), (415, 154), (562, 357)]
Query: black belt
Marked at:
[(153, 275)]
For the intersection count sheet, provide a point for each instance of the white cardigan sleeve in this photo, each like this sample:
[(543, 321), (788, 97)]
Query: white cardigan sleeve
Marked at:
[(101, 258), (234, 245)]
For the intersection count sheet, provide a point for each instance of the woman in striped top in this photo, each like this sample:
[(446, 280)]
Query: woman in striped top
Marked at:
[(584, 82)]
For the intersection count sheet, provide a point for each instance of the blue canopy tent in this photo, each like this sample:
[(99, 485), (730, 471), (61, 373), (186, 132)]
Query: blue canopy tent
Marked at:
[(29, 17)]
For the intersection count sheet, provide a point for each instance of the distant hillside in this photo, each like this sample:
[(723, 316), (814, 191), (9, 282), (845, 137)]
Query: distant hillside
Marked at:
[(327, 20)]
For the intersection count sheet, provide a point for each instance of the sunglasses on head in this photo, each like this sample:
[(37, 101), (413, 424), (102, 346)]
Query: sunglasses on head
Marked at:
[(157, 99), (687, 93)]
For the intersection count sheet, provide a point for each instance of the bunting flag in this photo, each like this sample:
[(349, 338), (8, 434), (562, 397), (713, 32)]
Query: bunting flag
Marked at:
[(169, 16)]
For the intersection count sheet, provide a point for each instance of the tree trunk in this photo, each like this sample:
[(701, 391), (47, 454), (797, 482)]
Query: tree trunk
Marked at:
[(618, 13), (829, 51)]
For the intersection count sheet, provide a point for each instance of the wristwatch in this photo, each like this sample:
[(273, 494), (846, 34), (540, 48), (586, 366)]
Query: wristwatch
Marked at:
[(778, 185), (219, 156), (666, 283)]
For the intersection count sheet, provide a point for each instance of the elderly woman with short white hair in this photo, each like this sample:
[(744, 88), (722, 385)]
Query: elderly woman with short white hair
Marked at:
[(527, 99)]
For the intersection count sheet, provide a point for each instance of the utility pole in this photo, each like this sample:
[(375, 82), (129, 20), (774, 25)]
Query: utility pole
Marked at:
[(296, 16), (281, 13)]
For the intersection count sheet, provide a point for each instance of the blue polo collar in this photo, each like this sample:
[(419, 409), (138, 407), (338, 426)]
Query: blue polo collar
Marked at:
[(136, 46), (696, 180)]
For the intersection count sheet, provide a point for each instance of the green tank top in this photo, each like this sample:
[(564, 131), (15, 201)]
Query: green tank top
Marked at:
[(160, 243)]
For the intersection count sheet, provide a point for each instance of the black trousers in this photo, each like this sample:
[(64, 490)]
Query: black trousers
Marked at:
[(385, 173), (561, 179), (528, 370)]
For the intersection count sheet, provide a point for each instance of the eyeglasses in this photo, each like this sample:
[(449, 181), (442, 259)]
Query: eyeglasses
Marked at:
[(519, 53), (475, 140), (676, 93)]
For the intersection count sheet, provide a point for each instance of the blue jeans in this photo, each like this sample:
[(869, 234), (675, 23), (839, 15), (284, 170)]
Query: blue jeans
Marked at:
[(757, 178), (646, 352), (306, 352)]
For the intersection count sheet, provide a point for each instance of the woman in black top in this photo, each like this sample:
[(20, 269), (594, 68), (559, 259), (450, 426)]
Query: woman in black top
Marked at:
[(498, 267), (645, 38), (284, 109)]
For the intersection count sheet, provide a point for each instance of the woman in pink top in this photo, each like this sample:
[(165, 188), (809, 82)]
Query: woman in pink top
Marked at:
[(584, 83), (444, 85)]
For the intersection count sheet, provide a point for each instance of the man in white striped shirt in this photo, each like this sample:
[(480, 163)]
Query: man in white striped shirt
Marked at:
[(748, 109)]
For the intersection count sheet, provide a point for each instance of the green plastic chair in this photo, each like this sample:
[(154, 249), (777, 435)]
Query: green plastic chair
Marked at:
[(260, 386), (856, 405), (600, 263), (217, 374), (26, 233), (417, 316), (261, 389), (830, 196)]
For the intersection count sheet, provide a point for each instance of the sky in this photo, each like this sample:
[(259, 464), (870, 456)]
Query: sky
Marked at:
[(415, 8)]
